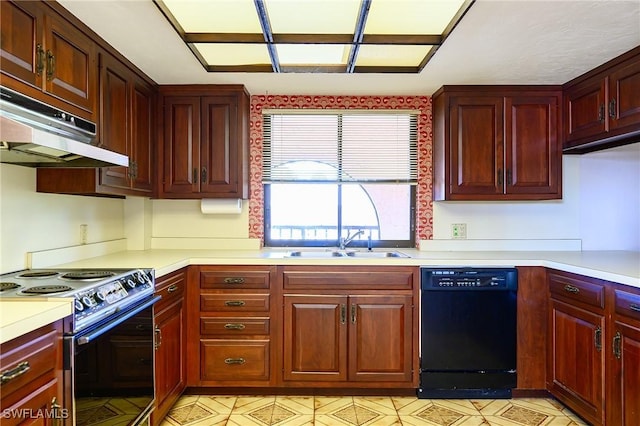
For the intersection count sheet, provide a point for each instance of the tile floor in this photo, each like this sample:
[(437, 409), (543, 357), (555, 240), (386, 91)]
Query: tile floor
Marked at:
[(210, 410)]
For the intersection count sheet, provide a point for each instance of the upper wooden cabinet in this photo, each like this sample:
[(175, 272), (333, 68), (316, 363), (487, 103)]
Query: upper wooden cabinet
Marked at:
[(126, 126), (44, 54), (497, 143), (206, 142), (602, 107)]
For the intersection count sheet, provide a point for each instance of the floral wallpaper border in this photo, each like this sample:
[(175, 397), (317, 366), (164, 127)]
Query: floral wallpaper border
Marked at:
[(424, 204)]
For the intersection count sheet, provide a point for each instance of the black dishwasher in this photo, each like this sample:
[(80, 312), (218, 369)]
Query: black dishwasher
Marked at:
[(468, 332)]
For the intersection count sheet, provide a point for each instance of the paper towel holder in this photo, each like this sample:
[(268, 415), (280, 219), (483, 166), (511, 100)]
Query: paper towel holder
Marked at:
[(220, 206)]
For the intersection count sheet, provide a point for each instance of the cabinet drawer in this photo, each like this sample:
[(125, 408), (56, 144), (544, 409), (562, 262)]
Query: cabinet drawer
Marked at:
[(577, 289), (170, 288), (319, 277), (235, 302), (627, 304), (32, 356), (234, 326), (234, 360), (234, 279)]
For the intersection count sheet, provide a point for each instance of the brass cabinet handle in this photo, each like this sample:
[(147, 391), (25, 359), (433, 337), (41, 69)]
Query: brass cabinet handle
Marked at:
[(203, 177), (39, 59), (172, 288), (617, 345), (499, 176), (51, 65), (598, 339), (234, 303), (230, 361), (195, 175), (508, 176), (353, 314), (234, 326), (612, 108), (343, 313), (55, 408), (571, 289), (158, 339), (20, 369), (234, 280), (601, 113), (634, 307)]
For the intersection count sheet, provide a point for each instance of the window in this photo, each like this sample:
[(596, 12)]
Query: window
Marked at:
[(332, 175)]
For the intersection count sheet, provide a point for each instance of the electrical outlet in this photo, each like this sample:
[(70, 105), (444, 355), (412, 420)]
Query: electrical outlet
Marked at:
[(459, 231), (83, 233)]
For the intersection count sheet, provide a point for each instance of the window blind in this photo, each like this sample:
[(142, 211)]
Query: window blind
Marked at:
[(340, 147)]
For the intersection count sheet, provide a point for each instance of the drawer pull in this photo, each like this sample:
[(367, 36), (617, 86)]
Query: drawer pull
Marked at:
[(572, 289), (634, 307), (234, 326), (158, 339), (234, 280), (234, 303), (617, 345), (230, 361), (20, 369), (598, 339), (172, 288)]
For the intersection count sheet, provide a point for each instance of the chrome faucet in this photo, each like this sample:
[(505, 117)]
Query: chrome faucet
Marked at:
[(345, 241)]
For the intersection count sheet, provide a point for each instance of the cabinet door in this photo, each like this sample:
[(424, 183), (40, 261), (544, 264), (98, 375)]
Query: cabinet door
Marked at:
[(219, 146), (169, 358), (576, 369), (532, 145), (41, 400), (625, 376), (315, 338), (142, 99), (114, 117), (71, 65), (624, 97), (181, 145), (585, 109), (476, 156), (21, 46), (380, 338)]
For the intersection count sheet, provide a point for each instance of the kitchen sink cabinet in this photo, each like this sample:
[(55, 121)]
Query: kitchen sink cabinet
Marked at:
[(340, 331), (602, 107), (127, 127), (31, 368), (497, 143), (594, 348), (206, 137), (170, 342), (230, 337), (46, 57)]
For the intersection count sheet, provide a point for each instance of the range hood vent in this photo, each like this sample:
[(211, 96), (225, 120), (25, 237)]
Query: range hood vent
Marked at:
[(34, 134)]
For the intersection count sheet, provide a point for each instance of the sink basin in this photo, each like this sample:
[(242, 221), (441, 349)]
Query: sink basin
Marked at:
[(320, 254)]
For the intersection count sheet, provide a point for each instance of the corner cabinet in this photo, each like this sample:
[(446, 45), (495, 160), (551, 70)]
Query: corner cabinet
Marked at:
[(47, 57), (127, 104), (602, 107), (205, 141), (497, 143), (170, 342), (339, 331), (31, 369), (594, 348)]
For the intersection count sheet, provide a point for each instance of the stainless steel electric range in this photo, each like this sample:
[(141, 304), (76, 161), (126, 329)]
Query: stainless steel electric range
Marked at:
[(108, 344)]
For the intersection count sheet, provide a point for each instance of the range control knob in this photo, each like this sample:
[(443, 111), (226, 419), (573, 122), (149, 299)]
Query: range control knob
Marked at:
[(78, 305), (131, 283), (142, 277), (99, 296), (88, 301)]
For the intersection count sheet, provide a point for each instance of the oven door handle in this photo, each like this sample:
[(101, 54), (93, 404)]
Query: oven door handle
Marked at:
[(86, 338)]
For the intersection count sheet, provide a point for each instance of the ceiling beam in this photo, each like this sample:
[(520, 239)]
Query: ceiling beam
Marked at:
[(358, 34), (263, 16)]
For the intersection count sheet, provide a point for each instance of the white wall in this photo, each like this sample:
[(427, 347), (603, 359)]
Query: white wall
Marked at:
[(610, 199), (31, 221)]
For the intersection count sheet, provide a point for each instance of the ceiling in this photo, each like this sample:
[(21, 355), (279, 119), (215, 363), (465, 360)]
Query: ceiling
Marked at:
[(496, 42)]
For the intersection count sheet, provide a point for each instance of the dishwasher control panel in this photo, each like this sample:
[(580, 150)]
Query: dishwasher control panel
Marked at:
[(469, 278)]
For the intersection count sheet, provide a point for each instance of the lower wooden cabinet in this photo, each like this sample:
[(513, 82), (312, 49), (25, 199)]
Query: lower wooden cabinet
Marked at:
[(350, 327), (594, 348), (170, 333), (31, 369)]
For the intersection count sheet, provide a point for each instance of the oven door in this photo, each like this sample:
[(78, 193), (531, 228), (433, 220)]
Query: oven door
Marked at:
[(109, 373)]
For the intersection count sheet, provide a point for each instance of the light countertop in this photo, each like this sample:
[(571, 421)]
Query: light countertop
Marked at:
[(617, 266), (18, 317)]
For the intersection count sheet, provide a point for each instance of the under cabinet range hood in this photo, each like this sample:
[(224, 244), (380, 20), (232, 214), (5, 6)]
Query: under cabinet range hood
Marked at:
[(34, 134)]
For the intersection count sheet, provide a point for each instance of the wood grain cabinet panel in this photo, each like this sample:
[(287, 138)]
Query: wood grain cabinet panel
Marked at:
[(497, 143)]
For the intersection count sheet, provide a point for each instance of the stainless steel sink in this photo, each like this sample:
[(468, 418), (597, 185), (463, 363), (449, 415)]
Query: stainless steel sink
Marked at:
[(321, 254)]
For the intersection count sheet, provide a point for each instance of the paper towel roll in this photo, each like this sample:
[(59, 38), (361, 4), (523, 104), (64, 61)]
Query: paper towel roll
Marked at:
[(220, 206)]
